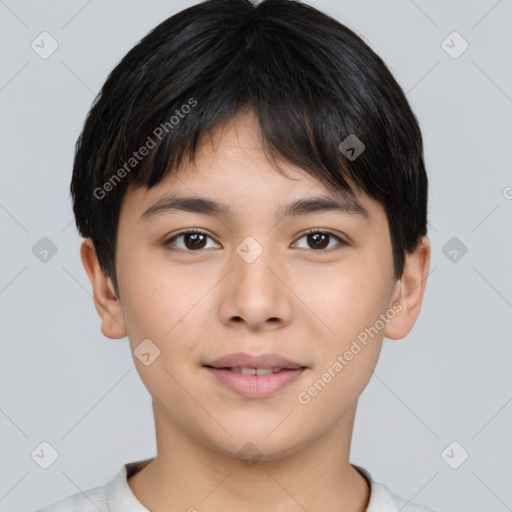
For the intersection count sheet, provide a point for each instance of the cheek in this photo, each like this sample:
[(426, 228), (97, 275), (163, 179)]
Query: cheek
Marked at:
[(158, 310), (351, 308), (152, 297), (349, 299), (165, 309)]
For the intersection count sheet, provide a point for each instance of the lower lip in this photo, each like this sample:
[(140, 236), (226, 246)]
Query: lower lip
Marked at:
[(256, 386)]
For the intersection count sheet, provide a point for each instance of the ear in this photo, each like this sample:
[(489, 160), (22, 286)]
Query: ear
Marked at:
[(107, 304), (409, 290)]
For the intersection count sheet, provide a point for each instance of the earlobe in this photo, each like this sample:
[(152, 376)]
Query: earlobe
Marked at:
[(106, 302), (409, 291)]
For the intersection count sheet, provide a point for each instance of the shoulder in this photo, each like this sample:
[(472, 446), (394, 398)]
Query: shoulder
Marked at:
[(93, 500), (114, 496)]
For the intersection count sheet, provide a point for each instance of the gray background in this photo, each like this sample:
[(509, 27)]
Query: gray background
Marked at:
[(62, 382)]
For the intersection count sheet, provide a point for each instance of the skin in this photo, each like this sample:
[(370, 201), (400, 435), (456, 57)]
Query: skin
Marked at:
[(304, 303)]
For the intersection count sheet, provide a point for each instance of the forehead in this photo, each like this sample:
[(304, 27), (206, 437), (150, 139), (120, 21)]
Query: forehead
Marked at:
[(232, 171)]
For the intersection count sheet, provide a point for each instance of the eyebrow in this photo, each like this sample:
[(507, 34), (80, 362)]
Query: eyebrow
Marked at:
[(339, 202)]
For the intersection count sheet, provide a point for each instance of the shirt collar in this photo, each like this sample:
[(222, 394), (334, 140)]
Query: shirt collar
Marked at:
[(120, 497)]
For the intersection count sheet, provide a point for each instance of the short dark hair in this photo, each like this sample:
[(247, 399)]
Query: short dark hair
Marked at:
[(310, 80)]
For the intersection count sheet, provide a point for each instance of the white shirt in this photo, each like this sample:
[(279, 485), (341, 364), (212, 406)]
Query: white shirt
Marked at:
[(117, 496)]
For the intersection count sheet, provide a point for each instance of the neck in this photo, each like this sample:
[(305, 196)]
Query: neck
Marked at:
[(188, 475)]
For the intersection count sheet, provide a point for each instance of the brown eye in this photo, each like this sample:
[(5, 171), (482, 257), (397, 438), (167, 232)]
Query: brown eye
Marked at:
[(192, 241), (318, 240)]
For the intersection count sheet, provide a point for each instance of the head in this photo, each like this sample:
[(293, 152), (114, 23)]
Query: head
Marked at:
[(219, 121)]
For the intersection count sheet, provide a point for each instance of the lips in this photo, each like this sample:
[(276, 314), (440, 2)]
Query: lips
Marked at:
[(254, 376)]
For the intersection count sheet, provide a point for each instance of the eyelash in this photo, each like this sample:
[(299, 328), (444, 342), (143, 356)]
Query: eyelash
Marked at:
[(168, 242)]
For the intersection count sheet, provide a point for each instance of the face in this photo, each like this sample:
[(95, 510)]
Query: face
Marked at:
[(197, 285)]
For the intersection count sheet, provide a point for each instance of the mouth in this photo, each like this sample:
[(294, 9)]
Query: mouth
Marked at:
[(254, 376)]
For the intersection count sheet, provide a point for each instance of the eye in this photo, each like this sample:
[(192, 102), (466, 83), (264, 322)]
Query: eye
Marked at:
[(319, 240), (193, 241)]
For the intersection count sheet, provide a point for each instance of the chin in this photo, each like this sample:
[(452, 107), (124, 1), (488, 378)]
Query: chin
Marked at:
[(252, 446)]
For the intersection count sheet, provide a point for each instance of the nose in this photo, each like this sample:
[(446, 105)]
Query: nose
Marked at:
[(255, 294)]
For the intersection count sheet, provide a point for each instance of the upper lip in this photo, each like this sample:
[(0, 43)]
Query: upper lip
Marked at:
[(241, 360)]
